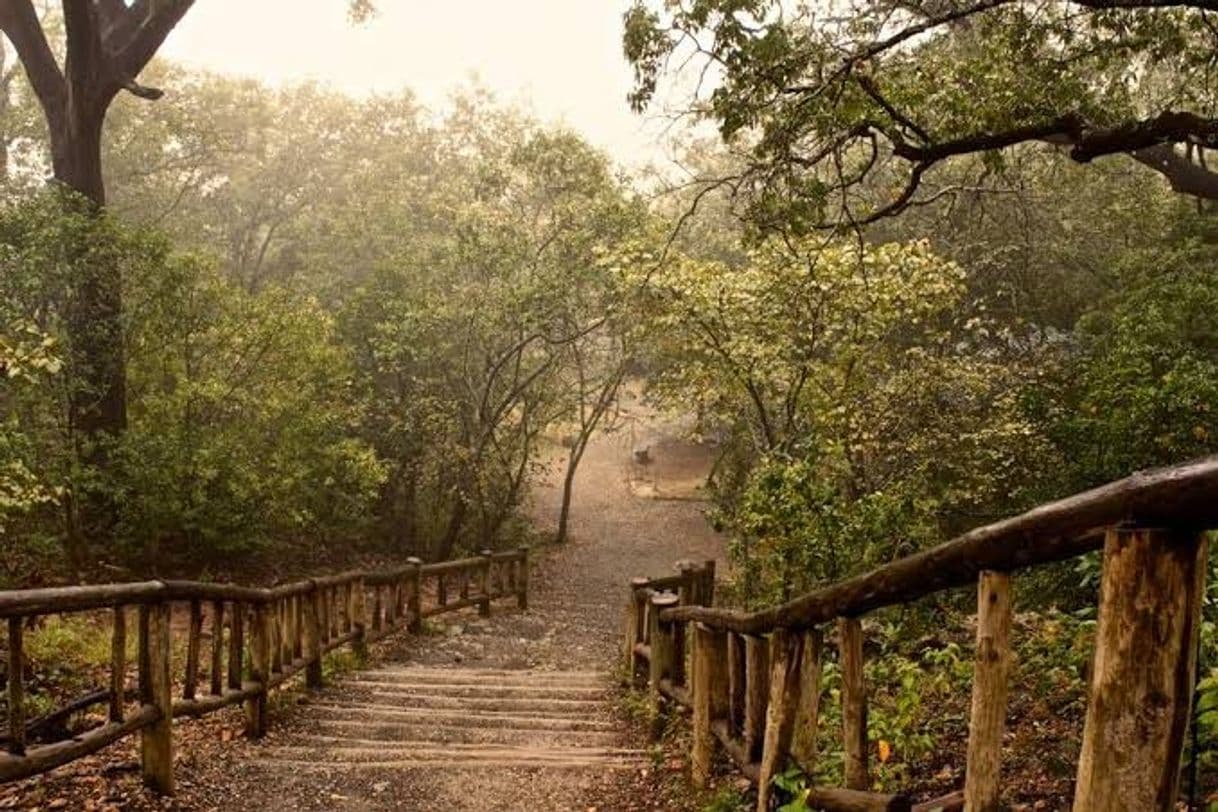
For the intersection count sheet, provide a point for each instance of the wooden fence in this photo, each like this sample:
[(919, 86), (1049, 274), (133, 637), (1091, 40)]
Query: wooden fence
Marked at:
[(752, 680), (259, 638)]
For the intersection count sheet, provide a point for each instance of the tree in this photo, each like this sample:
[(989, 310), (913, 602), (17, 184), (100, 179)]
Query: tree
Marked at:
[(843, 117), (108, 44)]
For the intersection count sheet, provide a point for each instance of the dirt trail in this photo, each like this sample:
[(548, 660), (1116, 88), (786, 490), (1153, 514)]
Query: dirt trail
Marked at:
[(513, 712)]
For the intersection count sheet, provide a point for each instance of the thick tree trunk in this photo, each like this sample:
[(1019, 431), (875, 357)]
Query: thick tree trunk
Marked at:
[(93, 316), (99, 399)]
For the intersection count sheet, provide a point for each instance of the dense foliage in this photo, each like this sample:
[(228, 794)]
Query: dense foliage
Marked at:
[(361, 329)]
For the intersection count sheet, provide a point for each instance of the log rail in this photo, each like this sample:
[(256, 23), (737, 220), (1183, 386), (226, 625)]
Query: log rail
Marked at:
[(259, 639), (753, 680)]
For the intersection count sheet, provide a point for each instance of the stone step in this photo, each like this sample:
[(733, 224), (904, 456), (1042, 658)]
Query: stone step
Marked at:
[(464, 718), (478, 676), (372, 746), (443, 734), (467, 763), (383, 755), (485, 690), (552, 707)]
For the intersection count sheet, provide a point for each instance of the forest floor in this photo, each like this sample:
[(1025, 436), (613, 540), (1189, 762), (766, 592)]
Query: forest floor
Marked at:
[(628, 519)]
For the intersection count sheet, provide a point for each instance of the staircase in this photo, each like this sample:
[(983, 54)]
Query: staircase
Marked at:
[(403, 718)]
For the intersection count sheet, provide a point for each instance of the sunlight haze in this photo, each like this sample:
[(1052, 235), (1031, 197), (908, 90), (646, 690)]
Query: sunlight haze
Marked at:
[(561, 59)]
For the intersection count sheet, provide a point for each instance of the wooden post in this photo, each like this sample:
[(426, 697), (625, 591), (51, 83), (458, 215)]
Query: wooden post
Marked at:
[(756, 694), (312, 638), (991, 671), (359, 612), (156, 740), (854, 702), (688, 589), (260, 671), (710, 694), (522, 582), (274, 638), (736, 679), (706, 594), (217, 648), (393, 601), (634, 632), (441, 589), (661, 659), (414, 607), (16, 687), (786, 649), (193, 641), (286, 633), (1145, 653), (118, 664), (236, 645), (807, 717), (484, 582), (376, 608)]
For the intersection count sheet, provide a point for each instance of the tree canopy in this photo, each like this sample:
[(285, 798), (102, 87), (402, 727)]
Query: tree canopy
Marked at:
[(843, 113)]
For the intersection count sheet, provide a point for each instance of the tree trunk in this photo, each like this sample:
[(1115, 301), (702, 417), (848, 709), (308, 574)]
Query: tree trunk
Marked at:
[(94, 314), (568, 488)]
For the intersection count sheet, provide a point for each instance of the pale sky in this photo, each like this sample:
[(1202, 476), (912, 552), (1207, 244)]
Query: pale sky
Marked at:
[(560, 58)]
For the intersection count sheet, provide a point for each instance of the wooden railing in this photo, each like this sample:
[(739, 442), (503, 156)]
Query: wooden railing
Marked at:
[(259, 638), (755, 677)]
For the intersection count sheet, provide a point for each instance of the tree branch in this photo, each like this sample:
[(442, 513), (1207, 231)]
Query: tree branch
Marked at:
[(21, 25), (148, 24), (1183, 175)]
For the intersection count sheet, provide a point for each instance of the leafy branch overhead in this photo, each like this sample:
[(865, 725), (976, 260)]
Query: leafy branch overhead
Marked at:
[(851, 106)]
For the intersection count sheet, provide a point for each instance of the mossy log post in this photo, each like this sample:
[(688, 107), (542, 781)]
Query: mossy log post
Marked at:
[(1141, 688), (710, 697), (786, 653), (156, 739), (807, 715), (756, 694), (854, 702), (660, 664), (991, 675)]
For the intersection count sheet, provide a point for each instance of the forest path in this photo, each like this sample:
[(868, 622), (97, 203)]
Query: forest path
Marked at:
[(511, 712)]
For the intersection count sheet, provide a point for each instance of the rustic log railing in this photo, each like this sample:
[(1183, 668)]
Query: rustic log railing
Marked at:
[(259, 638), (755, 689)]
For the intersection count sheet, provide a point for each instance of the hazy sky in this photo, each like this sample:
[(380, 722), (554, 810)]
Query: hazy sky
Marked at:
[(562, 58)]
